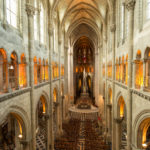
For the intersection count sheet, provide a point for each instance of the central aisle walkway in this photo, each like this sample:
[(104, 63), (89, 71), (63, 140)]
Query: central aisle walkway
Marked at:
[(80, 135)]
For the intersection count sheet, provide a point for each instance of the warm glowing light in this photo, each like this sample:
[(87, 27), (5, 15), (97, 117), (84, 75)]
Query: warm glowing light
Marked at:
[(11, 67), (144, 145), (139, 74), (20, 136), (55, 95), (121, 104), (22, 72), (35, 70)]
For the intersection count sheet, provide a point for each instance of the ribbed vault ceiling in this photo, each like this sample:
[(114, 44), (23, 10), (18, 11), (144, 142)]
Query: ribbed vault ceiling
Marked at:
[(71, 11)]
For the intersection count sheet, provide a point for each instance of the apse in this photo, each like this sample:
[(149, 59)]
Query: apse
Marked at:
[(83, 62)]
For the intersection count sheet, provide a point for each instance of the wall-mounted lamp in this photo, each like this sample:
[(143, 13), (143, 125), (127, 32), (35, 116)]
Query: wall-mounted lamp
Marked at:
[(20, 136), (144, 145)]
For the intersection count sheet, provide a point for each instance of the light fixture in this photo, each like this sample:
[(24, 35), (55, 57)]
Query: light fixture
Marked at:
[(43, 112), (11, 67), (20, 136), (144, 145)]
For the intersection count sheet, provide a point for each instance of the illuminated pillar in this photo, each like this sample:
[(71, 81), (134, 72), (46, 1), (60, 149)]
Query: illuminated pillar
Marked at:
[(30, 13), (130, 6)]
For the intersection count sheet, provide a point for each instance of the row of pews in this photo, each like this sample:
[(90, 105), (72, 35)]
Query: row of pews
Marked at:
[(68, 141), (92, 139)]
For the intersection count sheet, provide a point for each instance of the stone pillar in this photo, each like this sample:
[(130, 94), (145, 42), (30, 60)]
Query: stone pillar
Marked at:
[(118, 133), (109, 119), (96, 76), (47, 121), (30, 13), (4, 14), (66, 81), (71, 78), (59, 94), (105, 101), (130, 6), (113, 29), (51, 146)]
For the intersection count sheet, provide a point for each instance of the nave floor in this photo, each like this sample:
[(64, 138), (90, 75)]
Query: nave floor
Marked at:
[(80, 135)]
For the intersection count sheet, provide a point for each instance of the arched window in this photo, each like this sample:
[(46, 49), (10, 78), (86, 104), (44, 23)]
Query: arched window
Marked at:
[(122, 69), (13, 71), (22, 72), (35, 70), (43, 70), (46, 70), (126, 70), (138, 70), (147, 69), (3, 71), (148, 9), (42, 22), (12, 9), (39, 73), (117, 69)]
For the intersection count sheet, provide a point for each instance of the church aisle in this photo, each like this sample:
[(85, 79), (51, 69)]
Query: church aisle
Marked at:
[(80, 135)]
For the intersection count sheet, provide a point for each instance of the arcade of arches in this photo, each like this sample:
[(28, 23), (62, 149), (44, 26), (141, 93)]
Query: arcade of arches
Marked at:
[(74, 74)]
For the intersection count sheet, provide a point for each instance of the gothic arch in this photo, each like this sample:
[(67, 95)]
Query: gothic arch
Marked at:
[(22, 114), (137, 134)]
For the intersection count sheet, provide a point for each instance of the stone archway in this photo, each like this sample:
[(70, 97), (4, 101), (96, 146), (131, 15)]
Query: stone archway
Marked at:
[(13, 134), (121, 120), (143, 134), (41, 123)]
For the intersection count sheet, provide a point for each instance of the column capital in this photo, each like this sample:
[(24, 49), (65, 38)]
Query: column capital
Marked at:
[(30, 9), (113, 28), (130, 4)]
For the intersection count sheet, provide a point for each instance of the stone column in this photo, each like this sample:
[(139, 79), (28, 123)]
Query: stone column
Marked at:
[(47, 121), (130, 6), (59, 94), (66, 81), (71, 78), (96, 76), (105, 101), (4, 14), (30, 13), (51, 146), (113, 29), (118, 133)]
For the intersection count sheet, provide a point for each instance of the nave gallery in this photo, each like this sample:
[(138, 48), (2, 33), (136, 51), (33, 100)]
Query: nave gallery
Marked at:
[(74, 74)]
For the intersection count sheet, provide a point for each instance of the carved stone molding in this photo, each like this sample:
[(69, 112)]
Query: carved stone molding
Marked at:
[(130, 4), (30, 9), (113, 28), (14, 94)]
